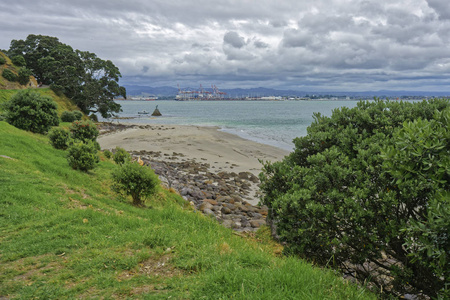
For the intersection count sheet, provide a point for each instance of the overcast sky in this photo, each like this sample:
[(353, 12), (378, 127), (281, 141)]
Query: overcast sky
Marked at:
[(315, 45)]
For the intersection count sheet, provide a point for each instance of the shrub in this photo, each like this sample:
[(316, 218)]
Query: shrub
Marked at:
[(59, 138), (2, 60), (78, 115), (423, 148), (82, 156), (67, 116), (333, 202), (121, 156), (18, 60), (24, 76), (108, 154), (84, 131), (29, 110), (136, 181), (9, 75)]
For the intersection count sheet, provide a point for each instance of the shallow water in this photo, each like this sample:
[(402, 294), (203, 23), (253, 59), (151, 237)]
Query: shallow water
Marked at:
[(274, 123)]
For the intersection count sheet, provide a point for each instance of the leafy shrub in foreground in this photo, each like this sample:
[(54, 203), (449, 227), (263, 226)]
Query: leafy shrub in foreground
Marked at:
[(136, 181), (29, 110), (82, 156), (59, 138), (333, 202), (9, 75), (121, 156), (423, 148), (84, 131)]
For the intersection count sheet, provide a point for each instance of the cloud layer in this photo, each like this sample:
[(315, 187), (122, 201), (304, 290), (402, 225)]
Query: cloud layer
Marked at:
[(328, 45)]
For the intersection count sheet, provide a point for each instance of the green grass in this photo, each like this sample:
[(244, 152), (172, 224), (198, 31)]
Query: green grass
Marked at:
[(64, 234)]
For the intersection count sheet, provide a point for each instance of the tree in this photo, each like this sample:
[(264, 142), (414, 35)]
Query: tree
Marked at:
[(29, 110), (136, 181), (90, 81), (333, 201)]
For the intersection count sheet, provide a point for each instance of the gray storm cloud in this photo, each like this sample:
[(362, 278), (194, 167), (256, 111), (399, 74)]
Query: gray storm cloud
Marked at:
[(321, 44)]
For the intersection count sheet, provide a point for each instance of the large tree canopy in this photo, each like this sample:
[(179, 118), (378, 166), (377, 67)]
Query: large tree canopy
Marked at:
[(90, 81)]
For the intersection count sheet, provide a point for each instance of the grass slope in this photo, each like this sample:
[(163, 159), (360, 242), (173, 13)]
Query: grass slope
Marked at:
[(64, 234), (62, 101)]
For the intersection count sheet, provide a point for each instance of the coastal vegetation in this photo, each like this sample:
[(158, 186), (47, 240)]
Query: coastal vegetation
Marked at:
[(92, 83), (367, 191), (66, 234)]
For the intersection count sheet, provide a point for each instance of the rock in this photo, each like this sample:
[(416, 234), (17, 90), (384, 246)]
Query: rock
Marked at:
[(213, 202), (225, 210), (208, 212), (205, 205), (227, 223), (257, 223)]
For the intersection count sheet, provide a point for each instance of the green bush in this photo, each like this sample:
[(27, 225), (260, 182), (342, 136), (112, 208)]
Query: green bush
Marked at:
[(24, 76), (333, 201), (121, 156), (2, 60), (84, 131), (108, 154), (67, 116), (18, 60), (59, 138), (9, 75), (78, 115), (423, 148), (82, 156), (30, 111), (136, 181)]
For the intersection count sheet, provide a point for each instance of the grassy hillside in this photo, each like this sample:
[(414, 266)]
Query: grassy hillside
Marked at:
[(5, 84), (64, 234), (63, 102)]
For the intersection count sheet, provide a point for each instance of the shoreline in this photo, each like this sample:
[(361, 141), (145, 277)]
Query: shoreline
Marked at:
[(222, 150), (217, 172)]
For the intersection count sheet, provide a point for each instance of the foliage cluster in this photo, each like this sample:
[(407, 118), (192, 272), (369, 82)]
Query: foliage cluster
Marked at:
[(121, 156), (135, 180), (59, 138), (82, 155), (30, 111), (18, 60), (24, 76), (84, 131), (9, 75), (2, 60), (70, 116), (360, 188), (90, 81)]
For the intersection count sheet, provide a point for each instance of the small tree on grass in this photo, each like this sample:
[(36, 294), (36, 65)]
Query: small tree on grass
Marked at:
[(29, 110), (136, 181), (121, 156), (83, 156), (59, 138)]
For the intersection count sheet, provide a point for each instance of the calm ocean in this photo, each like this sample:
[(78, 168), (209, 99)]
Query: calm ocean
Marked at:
[(274, 123)]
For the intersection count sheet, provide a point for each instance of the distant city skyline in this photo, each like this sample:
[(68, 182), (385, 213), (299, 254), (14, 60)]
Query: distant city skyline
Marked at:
[(320, 45)]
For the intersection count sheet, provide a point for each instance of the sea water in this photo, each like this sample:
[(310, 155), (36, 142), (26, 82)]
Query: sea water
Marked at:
[(274, 123)]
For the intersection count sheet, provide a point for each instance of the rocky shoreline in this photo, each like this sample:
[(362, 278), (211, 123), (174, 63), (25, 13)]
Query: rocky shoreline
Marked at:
[(217, 193)]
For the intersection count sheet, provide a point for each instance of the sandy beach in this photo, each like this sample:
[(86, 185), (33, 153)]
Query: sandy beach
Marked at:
[(223, 151)]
